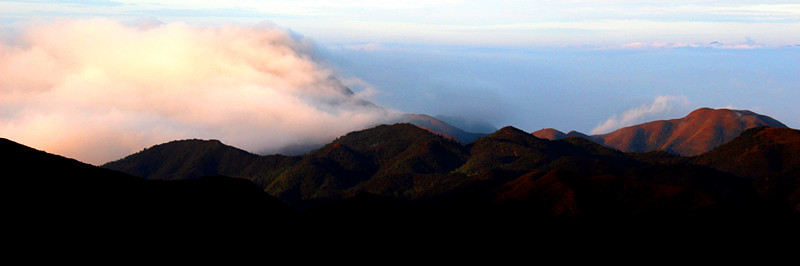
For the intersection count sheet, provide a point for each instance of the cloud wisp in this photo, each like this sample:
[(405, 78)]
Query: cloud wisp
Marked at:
[(96, 90), (660, 106)]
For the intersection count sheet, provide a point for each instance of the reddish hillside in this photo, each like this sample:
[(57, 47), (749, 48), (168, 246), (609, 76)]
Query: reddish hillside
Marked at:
[(768, 155), (702, 130), (758, 153), (549, 133), (554, 134), (547, 191)]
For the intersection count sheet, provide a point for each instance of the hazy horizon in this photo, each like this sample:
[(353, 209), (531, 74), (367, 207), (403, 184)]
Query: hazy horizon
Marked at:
[(98, 80)]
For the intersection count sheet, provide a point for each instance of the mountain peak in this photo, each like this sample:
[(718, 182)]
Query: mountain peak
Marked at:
[(554, 134), (709, 109), (549, 134), (698, 132), (751, 118), (388, 138), (190, 157), (510, 129), (511, 133), (440, 127), (702, 111), (202, 142)]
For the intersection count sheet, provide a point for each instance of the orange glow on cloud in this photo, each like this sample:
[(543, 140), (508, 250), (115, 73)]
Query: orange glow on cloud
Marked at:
[(97, 90)]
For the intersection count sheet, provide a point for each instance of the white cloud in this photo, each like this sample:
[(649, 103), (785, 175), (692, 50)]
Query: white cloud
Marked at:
[(97, 90), (660, 106)]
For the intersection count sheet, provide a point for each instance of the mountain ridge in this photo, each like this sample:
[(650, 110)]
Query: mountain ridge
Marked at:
[(769, 156), (407, 171), (440, 127), (52, 195), (403, 163), (700, 131)]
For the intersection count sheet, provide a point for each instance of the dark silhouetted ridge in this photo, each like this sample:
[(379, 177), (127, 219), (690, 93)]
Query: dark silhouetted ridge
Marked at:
[(770, 156), (512, 149), (758, 152), (383, 160), (402, 172), (188, 159), (183, 159), (53, 195)]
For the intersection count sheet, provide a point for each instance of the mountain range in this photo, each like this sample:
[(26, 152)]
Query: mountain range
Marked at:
[(562, 175), (398, 174)]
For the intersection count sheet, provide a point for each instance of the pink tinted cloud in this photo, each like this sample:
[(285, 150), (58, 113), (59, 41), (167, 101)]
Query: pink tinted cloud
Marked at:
[(97, 90)]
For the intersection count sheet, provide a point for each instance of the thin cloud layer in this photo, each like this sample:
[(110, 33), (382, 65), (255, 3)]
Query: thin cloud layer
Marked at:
[(747, 44), (97, 90), (661, 106)]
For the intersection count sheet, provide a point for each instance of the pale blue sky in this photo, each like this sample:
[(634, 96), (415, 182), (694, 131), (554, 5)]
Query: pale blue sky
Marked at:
[(577, 89), (455, 22), (559, 23), (531, 64)]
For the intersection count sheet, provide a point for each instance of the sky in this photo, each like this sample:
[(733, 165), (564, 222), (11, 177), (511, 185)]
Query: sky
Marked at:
[(97, 80)]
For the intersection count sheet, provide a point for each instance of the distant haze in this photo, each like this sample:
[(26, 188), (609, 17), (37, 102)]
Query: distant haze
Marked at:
[(583, 89)]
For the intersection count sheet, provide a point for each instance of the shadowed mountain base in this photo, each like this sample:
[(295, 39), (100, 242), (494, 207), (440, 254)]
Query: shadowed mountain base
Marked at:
[(400, 181)]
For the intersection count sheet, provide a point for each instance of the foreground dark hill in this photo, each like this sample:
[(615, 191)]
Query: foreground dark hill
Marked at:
[(761, 152), (509, 175), (769, 156), (407, 187), (383, 160), (55, 191), (575, 177), (701, 131), (512, 149), (188, 159), (185, 159), (398, 161)]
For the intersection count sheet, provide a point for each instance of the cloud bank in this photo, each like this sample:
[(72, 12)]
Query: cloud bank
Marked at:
[(661, 106), (747, 44), (97, 90)]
